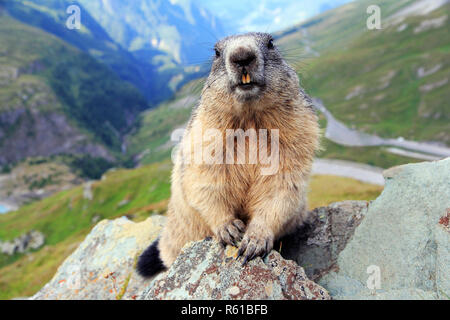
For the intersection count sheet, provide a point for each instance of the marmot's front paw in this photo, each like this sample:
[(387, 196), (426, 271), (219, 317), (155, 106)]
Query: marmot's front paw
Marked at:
[(255, 244), (231, 232)]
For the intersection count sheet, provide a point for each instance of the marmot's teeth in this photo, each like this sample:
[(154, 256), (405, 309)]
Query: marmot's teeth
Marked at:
[(246, 79)]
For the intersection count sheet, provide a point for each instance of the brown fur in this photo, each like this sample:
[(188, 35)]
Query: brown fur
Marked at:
[(209, 200)]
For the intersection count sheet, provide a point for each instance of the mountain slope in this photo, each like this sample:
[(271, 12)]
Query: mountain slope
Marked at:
[(150, 140), (391, 82), (51, 16), (338, 27), (180, 28), (56, 99)]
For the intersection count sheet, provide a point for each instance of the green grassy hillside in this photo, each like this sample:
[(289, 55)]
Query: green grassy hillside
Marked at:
[(121, 192), (150, 141), (392, 82), (42, 78), (51, 16), (337, 28)]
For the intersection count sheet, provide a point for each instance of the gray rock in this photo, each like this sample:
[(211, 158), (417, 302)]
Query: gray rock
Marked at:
[(316, 247), (29, 241), (205, 270), (103, 266), (404, 235)]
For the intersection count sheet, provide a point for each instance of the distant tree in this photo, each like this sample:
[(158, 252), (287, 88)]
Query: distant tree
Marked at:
[(91, 167)]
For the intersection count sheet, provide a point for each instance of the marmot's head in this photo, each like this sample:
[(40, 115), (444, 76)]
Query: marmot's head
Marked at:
[(250, 67)]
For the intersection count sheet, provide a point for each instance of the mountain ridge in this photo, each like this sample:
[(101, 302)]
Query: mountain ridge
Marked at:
[(173, 27), (92, 39), (52, 92)]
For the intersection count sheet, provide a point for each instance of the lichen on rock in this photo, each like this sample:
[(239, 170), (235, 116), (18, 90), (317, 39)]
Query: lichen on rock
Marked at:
[(205, 270), (102, 267)]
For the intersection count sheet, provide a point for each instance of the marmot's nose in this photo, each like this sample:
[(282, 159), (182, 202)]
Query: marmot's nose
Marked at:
[(242, 57)]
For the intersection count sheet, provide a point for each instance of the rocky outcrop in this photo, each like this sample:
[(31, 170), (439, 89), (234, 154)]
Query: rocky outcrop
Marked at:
[(205, 271), (395, 247), (317, 246), (401, 250), (22, 132), (102, 267), (30, 241)]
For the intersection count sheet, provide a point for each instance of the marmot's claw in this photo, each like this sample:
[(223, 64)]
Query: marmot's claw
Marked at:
[(231, 233), (252, 247), (239, 224), (240, 252)]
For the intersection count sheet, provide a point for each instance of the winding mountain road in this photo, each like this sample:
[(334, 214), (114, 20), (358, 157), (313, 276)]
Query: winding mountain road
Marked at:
[(338, 132), (349, 169)]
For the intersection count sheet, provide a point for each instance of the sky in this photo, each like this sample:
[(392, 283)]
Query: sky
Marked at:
[(266, 15)]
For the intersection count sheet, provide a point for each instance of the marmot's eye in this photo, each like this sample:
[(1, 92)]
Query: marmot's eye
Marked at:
[(270, 44), (217, 53)]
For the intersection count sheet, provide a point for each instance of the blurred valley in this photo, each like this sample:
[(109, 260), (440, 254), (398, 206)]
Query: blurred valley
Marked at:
[(86, 116)]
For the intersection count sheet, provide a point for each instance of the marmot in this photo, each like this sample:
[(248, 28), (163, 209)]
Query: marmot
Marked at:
[(250, 86)]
